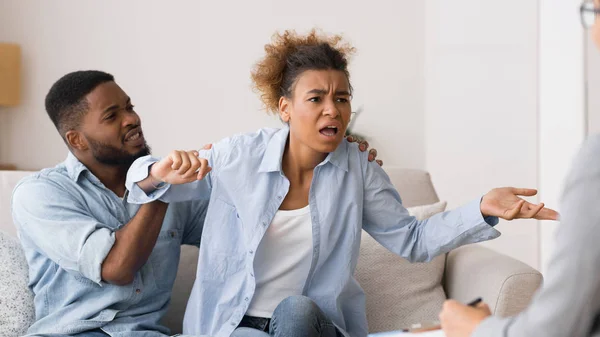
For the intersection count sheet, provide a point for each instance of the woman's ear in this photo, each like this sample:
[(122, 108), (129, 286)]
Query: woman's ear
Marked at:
[(284, 107)]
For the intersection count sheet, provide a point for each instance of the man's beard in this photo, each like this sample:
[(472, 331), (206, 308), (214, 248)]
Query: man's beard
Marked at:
[(113, 156)]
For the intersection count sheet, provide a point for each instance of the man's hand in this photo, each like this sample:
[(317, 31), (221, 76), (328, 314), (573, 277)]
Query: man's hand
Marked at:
[(363, 145), (459, 320), (180, 167), (505, 203)]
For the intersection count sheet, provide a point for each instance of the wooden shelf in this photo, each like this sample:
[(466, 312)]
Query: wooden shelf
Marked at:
[(7, 167)]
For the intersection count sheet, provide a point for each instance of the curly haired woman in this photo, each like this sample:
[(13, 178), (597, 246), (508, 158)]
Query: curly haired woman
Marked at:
[(282, 233)]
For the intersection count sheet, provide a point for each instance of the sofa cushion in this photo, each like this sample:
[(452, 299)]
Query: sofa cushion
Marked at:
[(399, 293), (415, 186), (16, 300)]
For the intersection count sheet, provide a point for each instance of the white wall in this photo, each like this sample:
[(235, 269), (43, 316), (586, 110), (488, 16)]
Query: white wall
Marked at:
[(449, 86), (186, 65), (592, 78), (562, 110), (481, 106)]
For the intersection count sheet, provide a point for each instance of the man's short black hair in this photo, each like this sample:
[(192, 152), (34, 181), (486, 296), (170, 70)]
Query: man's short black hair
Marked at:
[(66, 103)]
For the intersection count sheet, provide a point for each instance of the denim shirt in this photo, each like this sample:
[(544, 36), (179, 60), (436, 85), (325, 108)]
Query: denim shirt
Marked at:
[(66, 220), (348, 194)]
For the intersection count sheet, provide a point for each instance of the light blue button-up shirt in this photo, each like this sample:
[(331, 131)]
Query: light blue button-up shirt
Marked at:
[(246, 187), (66, 220)]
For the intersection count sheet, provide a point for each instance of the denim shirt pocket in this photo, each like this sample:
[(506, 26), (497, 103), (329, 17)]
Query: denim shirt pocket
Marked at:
[(164, 259), (224, 229), (223, 254)]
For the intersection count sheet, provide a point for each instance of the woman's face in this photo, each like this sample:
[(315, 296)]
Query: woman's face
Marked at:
[(319, 110)]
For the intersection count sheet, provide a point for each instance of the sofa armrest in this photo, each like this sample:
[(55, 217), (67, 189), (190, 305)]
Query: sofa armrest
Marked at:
[(505, 284)]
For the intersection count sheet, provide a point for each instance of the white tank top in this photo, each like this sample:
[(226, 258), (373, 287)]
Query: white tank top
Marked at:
[(282, 261)]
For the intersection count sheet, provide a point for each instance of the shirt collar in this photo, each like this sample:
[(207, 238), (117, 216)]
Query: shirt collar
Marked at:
[(339, 157), (74, 166), (273, 156), (271, 161)]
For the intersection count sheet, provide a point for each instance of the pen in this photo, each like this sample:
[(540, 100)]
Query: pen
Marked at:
[(474, 302)]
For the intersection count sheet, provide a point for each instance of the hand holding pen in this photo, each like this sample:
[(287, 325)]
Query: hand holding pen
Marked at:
[(435, 325), (459, 320)]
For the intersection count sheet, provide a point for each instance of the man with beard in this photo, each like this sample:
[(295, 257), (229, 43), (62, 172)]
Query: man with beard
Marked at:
[(99, 266)]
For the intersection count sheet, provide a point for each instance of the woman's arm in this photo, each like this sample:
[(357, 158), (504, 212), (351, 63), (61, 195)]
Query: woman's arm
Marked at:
[(388, 221), (181, 176)]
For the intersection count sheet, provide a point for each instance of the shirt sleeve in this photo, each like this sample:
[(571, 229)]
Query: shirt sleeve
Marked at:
[(388, 222), (197, 190), (568, 303), (61, 227), (139, 170)]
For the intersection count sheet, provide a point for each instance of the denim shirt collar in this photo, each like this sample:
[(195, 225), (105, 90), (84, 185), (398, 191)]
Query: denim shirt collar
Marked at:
[(75, 169), (273, 156), (74, 166)]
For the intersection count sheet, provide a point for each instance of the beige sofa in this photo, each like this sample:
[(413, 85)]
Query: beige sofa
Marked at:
[(398, 293)]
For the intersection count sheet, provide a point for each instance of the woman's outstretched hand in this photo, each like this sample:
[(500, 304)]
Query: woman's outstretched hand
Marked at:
[(505, 203)]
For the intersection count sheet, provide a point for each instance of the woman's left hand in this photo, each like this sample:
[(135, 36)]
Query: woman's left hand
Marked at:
[(505, 203)]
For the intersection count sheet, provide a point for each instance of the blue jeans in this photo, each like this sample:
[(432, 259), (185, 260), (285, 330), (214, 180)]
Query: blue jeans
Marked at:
[(100, 333), (296, 316)]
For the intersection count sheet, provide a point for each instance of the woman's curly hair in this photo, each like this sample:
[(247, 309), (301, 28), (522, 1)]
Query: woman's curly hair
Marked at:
[(290, 54)]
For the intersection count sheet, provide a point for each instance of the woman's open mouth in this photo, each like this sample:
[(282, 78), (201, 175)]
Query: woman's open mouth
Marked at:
[(329, 131)]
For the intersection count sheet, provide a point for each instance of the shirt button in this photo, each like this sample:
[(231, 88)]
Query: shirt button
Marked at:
[(251, 252), (252, 274), (172, 234), (265, 224), (246, 299), (233, 323), (137, 291)]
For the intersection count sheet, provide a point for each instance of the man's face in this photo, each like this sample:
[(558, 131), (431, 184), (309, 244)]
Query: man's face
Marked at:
[(112, 128)]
